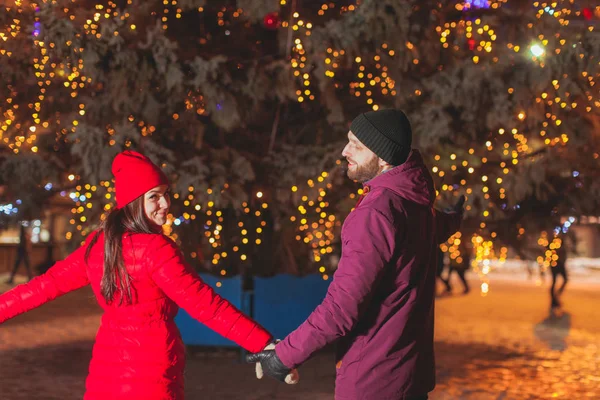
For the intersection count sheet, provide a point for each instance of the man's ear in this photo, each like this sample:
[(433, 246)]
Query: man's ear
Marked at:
[(383, 165)]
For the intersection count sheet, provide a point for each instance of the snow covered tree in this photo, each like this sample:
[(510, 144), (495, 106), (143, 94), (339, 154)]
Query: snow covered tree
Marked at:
[(246, 105)]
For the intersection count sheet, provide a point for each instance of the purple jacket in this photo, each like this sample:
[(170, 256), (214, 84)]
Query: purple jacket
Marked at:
[(380, 304)]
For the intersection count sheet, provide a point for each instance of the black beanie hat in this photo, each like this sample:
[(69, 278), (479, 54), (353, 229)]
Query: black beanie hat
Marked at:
[(386, 133)]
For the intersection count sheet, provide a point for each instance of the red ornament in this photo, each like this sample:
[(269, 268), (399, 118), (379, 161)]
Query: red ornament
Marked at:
[(587, 13), (271, 20), (471, 44)]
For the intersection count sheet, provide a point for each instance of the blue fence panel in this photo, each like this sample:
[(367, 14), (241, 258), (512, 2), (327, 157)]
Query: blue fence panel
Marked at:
[(283, 302), (196, 333)]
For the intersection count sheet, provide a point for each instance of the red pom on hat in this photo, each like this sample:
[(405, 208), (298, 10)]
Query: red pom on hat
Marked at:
[(134, 175)]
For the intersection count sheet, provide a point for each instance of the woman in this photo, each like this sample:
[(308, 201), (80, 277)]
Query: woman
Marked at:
[(139, 278)]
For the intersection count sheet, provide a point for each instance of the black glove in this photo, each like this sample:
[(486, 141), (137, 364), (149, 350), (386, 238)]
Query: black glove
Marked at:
[(458, 207), (271, 364)]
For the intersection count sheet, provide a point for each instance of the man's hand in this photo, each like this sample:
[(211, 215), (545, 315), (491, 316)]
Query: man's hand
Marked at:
[(268, 362), (258, 367)]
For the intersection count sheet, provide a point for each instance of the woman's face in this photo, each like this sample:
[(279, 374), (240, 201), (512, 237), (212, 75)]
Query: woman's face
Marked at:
[(156, 204)]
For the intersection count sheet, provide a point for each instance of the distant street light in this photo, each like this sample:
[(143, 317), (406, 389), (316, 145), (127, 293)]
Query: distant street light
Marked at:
[(537, 50)]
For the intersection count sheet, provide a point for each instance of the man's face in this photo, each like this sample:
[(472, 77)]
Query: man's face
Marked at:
[(363, 164)]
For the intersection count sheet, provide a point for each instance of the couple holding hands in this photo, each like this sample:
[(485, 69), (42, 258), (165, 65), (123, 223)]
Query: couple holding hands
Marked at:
[(379, 308)]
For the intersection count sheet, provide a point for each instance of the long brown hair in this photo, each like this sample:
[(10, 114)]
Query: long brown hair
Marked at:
[(115, 278)]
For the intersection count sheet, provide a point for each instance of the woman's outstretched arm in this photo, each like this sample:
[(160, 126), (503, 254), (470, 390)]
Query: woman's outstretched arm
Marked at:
[(183, 285), (64, 276)]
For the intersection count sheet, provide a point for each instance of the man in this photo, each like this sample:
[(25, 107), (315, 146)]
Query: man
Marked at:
[(559, 269), (380, 303), (440, 270), (461, 265), (23, 250)]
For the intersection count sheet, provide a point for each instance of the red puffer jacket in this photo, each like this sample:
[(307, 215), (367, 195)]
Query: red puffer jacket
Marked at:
[(138, 353)]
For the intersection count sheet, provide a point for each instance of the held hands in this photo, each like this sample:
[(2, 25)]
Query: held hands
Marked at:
[(267, 362)]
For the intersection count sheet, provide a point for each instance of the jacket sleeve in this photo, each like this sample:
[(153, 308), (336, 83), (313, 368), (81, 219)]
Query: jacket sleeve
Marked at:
[(447, 224), (64, 276), (367, 248), (182, 284)]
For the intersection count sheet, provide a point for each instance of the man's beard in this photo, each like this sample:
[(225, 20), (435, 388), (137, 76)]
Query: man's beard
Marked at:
[(365, 172)]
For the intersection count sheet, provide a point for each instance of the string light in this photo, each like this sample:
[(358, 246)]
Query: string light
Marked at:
[(372, 76), (474, 36), (299, 61), (315, 223)]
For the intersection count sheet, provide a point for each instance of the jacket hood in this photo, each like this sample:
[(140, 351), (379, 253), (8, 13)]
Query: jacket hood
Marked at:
[(411, 180)]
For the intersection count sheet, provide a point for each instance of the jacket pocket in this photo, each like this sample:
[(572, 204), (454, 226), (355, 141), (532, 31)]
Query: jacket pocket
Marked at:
[(347, 366)]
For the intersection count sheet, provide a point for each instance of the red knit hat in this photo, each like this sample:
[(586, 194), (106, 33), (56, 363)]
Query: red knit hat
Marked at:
[(134, 175)]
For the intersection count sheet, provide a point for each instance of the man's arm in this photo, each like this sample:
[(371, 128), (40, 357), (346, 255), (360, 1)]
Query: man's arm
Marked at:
[(368, 246)]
